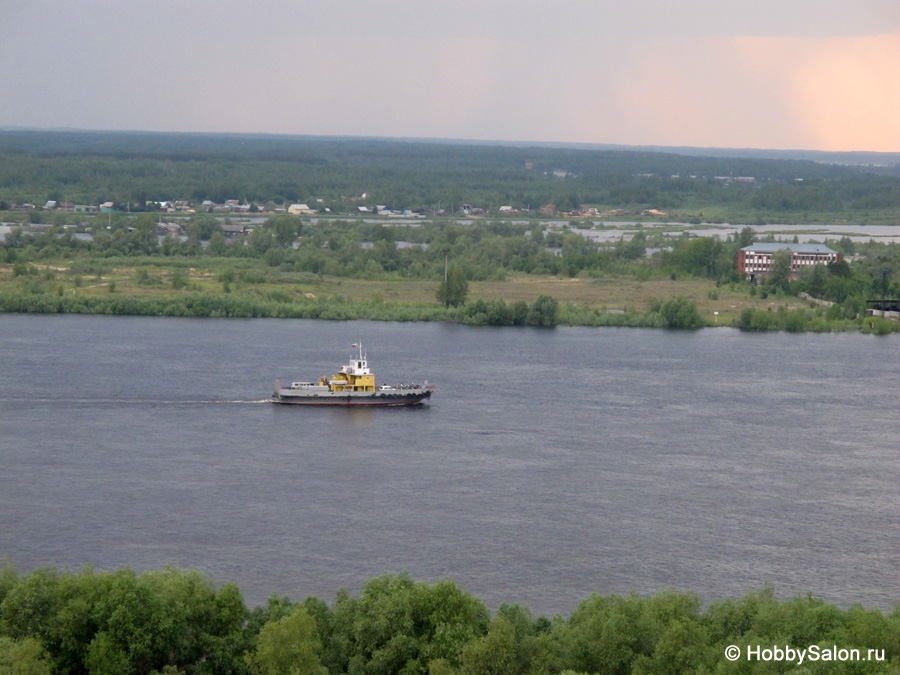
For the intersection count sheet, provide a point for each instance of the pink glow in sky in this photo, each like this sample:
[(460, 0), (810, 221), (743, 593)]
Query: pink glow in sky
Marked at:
[(806, 74)]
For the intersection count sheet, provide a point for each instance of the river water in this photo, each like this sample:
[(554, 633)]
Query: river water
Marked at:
[(550, 463)]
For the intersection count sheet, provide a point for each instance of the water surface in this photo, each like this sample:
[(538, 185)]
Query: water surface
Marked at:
[(549, 465)]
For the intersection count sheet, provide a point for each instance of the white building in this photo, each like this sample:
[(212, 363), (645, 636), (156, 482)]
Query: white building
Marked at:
[(756, 260)]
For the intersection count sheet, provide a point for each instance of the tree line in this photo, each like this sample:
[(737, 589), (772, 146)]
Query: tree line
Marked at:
[(131, 169), (179, 621), (486, 250)]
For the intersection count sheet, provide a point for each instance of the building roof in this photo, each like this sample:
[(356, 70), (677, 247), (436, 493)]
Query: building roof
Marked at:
[(771, 247)]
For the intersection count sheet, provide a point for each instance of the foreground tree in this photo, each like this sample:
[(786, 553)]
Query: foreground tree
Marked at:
[(23, 657), (288, 646), (178, 622)]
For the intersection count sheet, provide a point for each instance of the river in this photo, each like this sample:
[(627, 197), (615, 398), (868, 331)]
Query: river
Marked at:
[(550, 464)]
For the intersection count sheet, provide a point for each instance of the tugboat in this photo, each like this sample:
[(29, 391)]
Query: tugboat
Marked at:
[(353, 384)]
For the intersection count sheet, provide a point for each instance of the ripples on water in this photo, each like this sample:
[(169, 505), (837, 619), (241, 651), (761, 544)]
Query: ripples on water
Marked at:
[(550, 464)]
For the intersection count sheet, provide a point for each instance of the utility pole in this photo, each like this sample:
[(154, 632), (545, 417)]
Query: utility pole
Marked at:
[(446, 253)]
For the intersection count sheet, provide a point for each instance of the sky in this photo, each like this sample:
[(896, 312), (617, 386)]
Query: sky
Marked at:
[(773, 74)]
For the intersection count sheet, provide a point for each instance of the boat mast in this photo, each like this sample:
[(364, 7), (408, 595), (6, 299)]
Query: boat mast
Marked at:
[(360, 354)]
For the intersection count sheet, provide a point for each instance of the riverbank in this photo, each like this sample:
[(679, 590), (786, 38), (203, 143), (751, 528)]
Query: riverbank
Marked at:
[(495, 312), (200, 287)]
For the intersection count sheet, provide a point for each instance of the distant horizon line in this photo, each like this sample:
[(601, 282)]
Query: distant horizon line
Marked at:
[(577, 145)]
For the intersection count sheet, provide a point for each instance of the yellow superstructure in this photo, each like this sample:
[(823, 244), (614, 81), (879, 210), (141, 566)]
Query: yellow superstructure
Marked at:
[(355, 376), (344, 382)]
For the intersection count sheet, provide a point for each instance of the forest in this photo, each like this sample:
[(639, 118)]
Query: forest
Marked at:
[(180, 621), (340, 174)]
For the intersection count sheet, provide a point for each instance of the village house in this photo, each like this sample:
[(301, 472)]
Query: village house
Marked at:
[(300, 210), (173, 229), (233, 230)]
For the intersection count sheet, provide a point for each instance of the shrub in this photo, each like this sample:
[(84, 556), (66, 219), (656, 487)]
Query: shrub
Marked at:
[(543, 312), (681, 313)]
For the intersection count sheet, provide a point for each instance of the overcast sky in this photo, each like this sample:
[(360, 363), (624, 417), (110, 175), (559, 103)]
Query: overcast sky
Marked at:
[(786, 74)]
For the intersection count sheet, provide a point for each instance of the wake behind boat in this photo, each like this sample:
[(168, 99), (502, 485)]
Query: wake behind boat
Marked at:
[(353, 384)]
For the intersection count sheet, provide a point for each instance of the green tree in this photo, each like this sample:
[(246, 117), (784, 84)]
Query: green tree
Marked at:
[(746, 237), (285, 229), (779, 275), (23, 657), (839, 268), (492, 654), (454, 291), (261, 240), (144, 236), (681, 313), (400, 626), (288, 646), (202, 226), (217, 244), (179, 279), (543, 312), (815, 278)]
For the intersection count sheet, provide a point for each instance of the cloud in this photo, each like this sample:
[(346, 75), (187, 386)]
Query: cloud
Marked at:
[(838, 93), (846, 91)]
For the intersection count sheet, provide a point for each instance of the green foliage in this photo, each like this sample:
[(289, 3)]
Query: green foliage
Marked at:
[(702, 257), (287, 646), (797, 320), (454, 291), (681, 313), (482, 251), (218, 245), (779, 275), (203, 227), (177, 621), (492, 654), (397, 625), (179, 279), (285, 229), (543, 312), (126, 623), (23, 657), (132, 168), (878, 325)]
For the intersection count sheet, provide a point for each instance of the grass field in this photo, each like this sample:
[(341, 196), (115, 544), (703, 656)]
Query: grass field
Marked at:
[(611, 293)]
